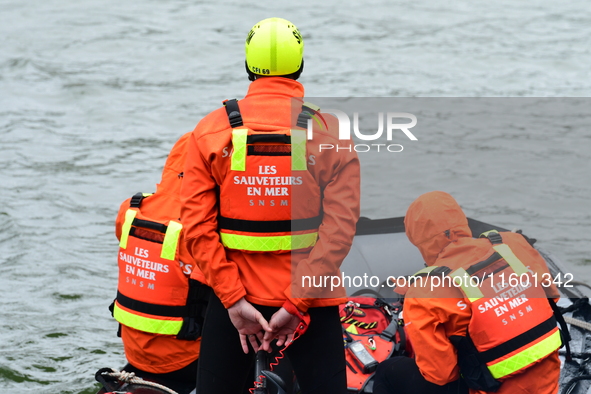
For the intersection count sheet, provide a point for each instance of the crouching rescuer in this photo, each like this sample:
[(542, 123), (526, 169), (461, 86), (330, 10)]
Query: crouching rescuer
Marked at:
[(262, 208), (479, 317), (160, 296)]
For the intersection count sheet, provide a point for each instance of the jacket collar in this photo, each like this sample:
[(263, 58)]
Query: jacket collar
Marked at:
[(276, 86)]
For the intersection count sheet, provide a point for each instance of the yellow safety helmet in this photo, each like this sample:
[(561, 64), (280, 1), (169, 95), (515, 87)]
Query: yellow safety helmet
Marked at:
[(274, 46)]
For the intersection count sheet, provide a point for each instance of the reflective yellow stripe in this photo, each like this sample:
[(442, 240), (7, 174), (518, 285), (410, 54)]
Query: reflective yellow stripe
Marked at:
[(311, 106), (126, 228), (298, 150), (146, 324), (472, 292), (268, 244), (416, 276), (239, 146), (485, 234), (171, 240), (507, 254), (526, 357)]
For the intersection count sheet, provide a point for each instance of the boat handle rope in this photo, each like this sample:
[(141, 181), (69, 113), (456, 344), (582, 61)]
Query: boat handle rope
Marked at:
[(130, 378), (579, 323)]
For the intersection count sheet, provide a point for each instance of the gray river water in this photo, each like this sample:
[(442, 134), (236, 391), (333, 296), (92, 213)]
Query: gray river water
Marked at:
[(93, 94)]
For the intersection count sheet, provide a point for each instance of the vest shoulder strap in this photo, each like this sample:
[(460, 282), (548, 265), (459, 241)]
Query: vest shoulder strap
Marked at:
[(564, 331), (233, 111), (235, 117), (505, 251), (433, 271), (493, 236), (308, 110), (136, 199)]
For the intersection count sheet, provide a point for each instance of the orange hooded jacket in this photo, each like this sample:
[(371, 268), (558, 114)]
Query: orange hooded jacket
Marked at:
[(438, 227), (268, 278), (152, 352)]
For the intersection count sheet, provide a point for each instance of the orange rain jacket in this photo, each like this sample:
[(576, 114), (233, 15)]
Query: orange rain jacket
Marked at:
[(152, 352), (266, 278), (432, 317)]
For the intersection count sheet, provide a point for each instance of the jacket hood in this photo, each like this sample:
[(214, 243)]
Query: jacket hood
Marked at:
[(173, 168), (433, 221)]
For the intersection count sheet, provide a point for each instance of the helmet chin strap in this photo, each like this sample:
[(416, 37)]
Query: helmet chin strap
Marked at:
[(297, 74), (252, 76)]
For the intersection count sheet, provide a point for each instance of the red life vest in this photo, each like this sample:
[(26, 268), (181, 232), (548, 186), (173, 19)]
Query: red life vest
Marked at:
[(153, 291), (512, 325), (269, 201)]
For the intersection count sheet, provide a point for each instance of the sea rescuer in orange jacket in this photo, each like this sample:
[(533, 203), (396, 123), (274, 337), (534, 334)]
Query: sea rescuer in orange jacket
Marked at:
[(499, 333), (157, 305), (263, 209)]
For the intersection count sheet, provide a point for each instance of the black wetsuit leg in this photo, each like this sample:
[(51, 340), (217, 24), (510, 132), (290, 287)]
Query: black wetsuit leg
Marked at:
[(316, 356), (223, 366), (401, 375)]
